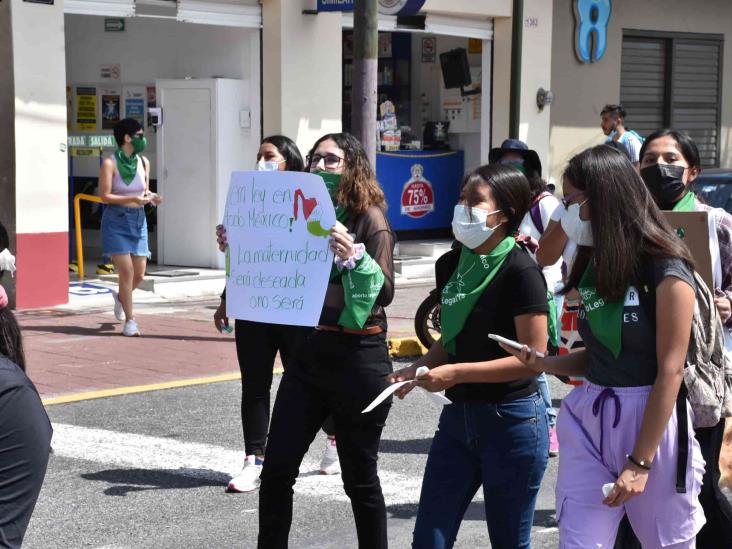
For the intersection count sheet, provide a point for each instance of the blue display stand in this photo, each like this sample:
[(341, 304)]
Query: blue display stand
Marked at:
[(421, 187)]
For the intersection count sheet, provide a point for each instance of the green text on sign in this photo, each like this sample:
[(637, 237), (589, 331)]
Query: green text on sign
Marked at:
[(106, 141)]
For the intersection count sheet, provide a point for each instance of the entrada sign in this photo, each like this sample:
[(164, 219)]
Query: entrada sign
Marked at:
[(592, 18), (91, 141), (386, 7)]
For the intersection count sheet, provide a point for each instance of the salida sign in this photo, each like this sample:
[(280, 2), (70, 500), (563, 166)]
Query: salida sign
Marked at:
[(418, 198), (386, 7)]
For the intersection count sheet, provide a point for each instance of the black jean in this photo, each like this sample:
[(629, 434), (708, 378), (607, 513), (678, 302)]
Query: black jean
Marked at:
[(336, 374), (257, 344)]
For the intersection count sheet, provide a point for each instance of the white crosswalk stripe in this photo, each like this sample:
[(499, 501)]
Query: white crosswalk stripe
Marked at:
[(207, 461)]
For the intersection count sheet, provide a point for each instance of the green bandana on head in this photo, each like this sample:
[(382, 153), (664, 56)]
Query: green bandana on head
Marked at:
[(472, 276), (605, 317), (126, 165), (332, 182), (686, 204)]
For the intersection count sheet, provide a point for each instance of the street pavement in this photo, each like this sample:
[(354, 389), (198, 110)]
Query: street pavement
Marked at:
[(149, 469)]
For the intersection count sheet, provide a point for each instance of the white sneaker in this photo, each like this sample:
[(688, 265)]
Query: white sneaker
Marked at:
[(248, 479), (119, 312), (330, 465), (131, 329)]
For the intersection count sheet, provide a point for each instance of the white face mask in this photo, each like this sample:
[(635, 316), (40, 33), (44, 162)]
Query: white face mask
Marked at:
[(470, 229), (268, 166), (577, 229)]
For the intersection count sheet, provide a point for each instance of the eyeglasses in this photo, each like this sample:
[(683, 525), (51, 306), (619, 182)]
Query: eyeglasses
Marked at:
[(331, 161)]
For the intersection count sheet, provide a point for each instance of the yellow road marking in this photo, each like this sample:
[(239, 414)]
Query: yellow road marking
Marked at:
[(105, 393)]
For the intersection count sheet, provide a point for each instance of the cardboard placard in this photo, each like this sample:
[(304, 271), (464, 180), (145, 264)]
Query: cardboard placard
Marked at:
[(693, 229), (279, 259)]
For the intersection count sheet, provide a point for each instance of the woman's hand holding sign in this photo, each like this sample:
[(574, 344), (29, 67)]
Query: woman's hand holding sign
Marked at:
[(341, 242)]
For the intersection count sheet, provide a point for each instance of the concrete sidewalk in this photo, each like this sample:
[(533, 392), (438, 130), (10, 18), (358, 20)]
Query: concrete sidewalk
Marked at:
[(78, 354)]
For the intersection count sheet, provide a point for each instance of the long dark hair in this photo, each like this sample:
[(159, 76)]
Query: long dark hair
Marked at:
[(289, 151), (359, 189), (686, 144), (11, 342), (509, 187), (626, 223)]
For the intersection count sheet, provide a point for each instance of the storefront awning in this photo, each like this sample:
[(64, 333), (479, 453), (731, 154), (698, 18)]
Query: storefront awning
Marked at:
[(436, 24), (107, 8), (202, 12)]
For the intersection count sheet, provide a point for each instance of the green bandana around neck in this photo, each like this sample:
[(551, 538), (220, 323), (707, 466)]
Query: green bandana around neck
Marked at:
[(605, 317), (686, 204), (472, 276), (126, 165), (332, 182)]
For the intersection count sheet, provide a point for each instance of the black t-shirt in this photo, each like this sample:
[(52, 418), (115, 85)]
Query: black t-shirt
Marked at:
[(518, 288), (637, 363)]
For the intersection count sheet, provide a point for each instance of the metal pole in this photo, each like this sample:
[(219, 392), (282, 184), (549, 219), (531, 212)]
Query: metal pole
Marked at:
[(517, 25), (365, 69)]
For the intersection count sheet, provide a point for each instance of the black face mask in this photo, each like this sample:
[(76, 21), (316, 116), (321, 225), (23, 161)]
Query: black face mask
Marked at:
[(665, 182)]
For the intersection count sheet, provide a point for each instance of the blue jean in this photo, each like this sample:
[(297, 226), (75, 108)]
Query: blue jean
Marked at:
[(551, 413), (504, 448)]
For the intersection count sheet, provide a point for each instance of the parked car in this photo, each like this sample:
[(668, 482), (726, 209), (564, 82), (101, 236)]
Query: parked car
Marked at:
[(714, 187)]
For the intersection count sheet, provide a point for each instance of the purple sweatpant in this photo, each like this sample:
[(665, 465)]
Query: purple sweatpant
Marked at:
[(597, 428)]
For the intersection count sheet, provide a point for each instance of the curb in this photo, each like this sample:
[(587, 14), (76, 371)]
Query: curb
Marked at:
[(405, 347), (134, 389)]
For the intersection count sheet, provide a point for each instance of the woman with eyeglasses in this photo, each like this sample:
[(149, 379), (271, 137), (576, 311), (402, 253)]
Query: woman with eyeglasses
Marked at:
[(124, 185), (340, 366), (620, 431), (257, 343)]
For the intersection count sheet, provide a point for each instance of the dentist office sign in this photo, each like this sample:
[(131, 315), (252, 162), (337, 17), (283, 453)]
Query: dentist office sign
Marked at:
[(278, 261), (592, 18)]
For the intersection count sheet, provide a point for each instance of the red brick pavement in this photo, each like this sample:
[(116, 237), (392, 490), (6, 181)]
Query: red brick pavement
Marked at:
[(73, 352)]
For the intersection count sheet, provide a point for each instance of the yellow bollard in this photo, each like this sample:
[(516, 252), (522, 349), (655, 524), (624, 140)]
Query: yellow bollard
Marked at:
[(77, 224)]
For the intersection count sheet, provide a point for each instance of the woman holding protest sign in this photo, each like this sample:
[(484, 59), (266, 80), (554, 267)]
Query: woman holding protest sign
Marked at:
[(342, 364), (257, 343)]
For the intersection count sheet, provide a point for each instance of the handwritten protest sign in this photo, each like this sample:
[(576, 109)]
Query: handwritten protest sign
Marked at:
[(278, 261)]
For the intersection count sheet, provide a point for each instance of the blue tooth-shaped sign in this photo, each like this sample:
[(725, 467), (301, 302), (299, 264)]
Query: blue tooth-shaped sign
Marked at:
[(591, 16)]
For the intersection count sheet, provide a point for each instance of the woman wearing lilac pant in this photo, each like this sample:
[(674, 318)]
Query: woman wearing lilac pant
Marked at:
[(620, 428)]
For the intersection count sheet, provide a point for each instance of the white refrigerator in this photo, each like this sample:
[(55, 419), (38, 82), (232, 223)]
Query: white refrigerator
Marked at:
[(205, 134)]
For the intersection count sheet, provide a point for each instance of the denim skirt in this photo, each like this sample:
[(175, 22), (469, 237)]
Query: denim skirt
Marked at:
[(124, 231)]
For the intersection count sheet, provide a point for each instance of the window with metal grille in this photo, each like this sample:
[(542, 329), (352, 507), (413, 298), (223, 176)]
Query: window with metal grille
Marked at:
[(674, 80)]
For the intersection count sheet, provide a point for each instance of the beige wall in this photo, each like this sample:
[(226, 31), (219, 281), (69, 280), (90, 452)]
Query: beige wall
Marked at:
[(40, 117), (534, 124), (582, 89), (301, 72)]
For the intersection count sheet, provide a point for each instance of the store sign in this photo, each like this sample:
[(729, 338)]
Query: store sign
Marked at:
[(418, 198), (335, 5), (386, 7), (114, 24), (400, 7), (592, 18), (91, 141)]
